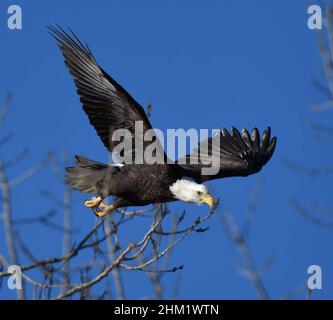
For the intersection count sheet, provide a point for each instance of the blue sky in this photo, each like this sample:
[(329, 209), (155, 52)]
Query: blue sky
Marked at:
[(201, 65)]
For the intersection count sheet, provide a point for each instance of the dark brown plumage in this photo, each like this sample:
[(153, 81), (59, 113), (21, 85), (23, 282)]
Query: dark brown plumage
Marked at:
[(110, 107), (238, 154)]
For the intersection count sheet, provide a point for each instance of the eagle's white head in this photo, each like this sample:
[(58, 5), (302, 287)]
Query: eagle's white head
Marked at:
[(189, 191)]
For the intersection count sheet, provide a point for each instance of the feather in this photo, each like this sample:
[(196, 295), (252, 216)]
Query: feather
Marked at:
[(238, 155), (108, 105)]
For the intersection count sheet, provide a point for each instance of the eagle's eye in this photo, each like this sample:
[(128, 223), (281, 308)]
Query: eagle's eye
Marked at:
[(199, 193)]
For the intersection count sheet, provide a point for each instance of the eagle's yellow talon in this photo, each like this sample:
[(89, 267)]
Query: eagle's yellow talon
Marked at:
[(100, 214), (93, 203), (103, 209)]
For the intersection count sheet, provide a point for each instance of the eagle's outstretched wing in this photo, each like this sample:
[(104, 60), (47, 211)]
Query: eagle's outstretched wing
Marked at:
[(229, 155), (108, 105)]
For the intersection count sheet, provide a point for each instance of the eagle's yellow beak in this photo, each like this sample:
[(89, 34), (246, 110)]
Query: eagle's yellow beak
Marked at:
[(208, 199)]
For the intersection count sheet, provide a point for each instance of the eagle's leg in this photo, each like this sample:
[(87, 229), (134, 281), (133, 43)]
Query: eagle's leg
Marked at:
[(103, 209), (93, 203)]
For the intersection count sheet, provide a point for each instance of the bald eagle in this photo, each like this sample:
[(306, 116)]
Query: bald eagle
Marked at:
[(110, 107)]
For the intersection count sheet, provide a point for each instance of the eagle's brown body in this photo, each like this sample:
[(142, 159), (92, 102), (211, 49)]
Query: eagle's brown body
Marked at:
[(142, 183), (110, 107)]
